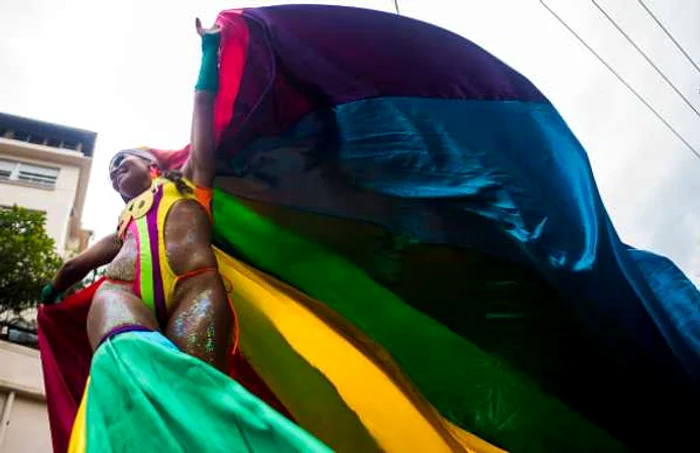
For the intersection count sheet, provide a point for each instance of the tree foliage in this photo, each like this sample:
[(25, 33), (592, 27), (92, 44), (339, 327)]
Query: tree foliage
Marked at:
[(27, 258)]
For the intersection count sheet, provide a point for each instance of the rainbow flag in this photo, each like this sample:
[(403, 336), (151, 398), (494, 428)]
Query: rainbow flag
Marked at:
[(419, 258)]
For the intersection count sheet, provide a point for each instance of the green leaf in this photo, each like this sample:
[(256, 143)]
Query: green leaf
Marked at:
[(28, 258)]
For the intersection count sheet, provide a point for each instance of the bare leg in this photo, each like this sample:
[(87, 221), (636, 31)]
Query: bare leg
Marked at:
[(116, 305), (201, 321)]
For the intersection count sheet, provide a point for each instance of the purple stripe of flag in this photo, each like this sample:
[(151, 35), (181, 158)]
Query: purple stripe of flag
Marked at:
[(154, 239), (347, 54)]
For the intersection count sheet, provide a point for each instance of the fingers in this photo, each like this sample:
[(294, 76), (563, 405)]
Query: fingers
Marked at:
[(201, 31)]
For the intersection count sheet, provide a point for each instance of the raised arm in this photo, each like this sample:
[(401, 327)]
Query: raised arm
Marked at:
[(75, 269), (199, 167)]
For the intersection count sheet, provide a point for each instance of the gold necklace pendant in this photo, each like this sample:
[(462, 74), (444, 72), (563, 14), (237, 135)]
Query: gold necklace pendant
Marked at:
[(136, 208)]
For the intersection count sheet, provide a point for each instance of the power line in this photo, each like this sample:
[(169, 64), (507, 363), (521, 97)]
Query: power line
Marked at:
[(670, 36), (646, 57), (623, 81)]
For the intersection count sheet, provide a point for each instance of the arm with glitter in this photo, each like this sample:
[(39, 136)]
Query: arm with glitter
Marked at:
[(75, 269)]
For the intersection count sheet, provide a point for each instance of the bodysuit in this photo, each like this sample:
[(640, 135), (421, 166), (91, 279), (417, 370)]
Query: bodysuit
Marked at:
[(144, 217)]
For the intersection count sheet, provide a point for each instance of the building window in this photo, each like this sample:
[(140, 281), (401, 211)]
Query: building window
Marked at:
[(38, 139), (6, 169), (28, 173), (69, 145), (53, 142), (20, 135)]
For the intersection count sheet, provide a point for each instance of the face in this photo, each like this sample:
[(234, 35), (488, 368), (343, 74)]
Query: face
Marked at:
[(130, 175)]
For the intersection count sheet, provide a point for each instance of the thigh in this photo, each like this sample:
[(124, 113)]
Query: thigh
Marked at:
[(201, 321), (116, 305)]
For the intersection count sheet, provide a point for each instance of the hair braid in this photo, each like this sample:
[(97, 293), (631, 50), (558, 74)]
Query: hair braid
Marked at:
[(176, 178)]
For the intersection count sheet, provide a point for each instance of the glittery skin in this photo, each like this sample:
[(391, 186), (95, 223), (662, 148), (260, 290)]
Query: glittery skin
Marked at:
[(188, 325), (115, 305), (200, 320), (201, 323), (123, 266)]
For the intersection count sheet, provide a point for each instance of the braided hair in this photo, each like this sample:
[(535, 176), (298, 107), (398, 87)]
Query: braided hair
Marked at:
[(175, 177)]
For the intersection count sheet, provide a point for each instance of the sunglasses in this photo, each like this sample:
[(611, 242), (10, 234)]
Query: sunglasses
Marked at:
[(116, 162)]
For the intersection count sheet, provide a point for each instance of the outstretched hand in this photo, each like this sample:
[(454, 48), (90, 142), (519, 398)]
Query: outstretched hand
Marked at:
[(201, 31)]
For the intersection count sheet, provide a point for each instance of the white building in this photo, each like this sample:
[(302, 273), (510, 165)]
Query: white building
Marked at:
[(24, 422), (44, 167)]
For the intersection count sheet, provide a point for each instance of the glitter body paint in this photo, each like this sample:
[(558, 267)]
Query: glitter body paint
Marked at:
[(123, 266), (115, 305), (193, 327)]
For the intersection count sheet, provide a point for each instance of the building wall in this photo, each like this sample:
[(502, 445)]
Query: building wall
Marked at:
[(62, 202), (56, 202), (27, 430), (24, 427)]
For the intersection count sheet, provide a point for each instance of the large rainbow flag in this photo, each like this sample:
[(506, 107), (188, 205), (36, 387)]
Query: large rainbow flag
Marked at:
[(419, 259)]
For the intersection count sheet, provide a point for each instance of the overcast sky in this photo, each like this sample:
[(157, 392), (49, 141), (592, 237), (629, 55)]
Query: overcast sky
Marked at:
[(127, 72)]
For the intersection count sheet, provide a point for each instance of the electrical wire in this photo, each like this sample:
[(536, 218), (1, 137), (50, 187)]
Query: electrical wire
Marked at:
[(646, 57), (670, 36), (622, 80)]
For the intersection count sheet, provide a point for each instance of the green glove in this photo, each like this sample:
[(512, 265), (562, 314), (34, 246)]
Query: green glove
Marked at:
[(48, 294), (209, 70)]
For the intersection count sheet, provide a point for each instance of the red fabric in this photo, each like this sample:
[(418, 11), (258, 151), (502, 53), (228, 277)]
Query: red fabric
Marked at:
[(65, 359)]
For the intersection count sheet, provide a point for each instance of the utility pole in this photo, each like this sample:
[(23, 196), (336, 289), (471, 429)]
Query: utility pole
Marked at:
[(396, 5)]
